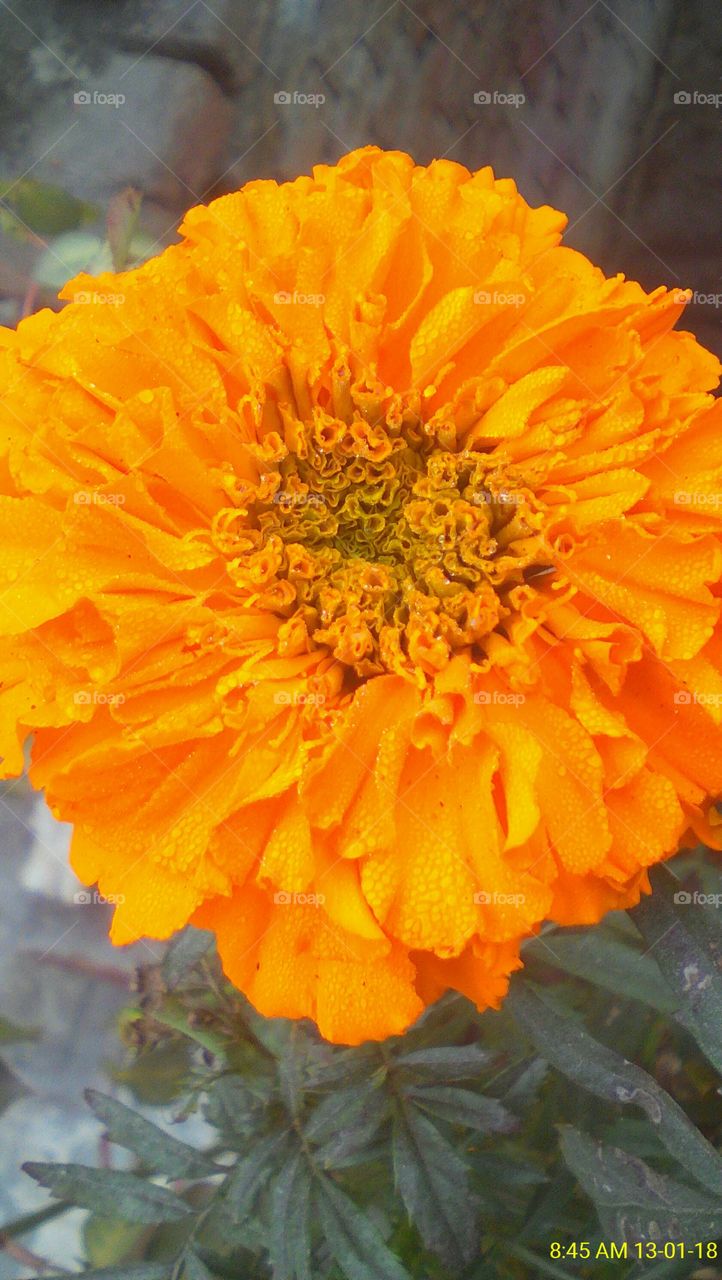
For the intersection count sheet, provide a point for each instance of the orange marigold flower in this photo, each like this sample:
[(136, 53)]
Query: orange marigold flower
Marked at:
[(361, 562)]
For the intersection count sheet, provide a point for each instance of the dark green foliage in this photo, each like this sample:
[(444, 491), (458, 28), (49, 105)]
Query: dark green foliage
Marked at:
[(586, 1109)]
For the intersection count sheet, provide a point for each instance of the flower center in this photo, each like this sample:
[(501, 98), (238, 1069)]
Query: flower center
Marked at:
[(379, 539)]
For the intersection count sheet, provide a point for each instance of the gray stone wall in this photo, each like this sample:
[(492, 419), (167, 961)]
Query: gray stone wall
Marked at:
[(599, 133)]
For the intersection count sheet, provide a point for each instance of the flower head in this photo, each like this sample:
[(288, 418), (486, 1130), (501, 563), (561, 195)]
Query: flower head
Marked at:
[(360, 585)]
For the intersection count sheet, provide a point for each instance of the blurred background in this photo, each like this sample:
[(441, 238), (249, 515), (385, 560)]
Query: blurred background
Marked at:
[(609, 111)]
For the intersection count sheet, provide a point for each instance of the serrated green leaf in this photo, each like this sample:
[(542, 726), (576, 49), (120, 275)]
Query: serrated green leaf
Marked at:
[(290, 1235), (234, 1200), (345, 1124), (157, 1150), (109, 1193), (433, 1183), (329, 1065), (687, 941), (352, 1238), (633, 1201), (185, 950), (291, 1072), (237, 1106), (574, 1052), (461, 1062), (607, 960), (461, 1106)]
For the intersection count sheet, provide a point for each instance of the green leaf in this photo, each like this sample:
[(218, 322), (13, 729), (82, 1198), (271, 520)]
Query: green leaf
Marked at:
[(600, 1071), (159, 1075), (194, 1269), (43, 209), (687, 940), (345, 1124), (354, 1241), (234, 1200), (329, 1066), (606, 959), (11, 1087), (525, 1084), (173, 1013), (633, 1201), (143, 1271), (542, 1266), (236, 1106), (433, 1184), (109, 1241), (506, 1172), (157, 1150), (461, 1106), (290, 1235), (462, 1062), (185, 951), (290, 1070), (11, 1033), (109, 1193)]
